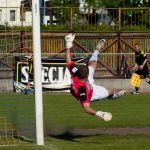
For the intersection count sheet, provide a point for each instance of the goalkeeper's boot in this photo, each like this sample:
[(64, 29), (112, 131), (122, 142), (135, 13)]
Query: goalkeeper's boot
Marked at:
[(100, 44), (118, 94), (121, 93)]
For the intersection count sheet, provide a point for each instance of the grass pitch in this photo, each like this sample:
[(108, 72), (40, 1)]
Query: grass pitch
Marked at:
[(62, 113), (127, 111)]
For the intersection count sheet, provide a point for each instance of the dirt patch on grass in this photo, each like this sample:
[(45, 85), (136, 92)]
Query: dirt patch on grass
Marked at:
[(99, 131)]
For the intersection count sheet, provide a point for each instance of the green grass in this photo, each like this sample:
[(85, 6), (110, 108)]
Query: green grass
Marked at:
[(63, 111), (19, 111), (101, 142), (130, 110)]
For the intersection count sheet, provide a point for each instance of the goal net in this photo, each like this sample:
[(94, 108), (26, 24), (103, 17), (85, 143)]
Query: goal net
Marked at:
[(17, 114)]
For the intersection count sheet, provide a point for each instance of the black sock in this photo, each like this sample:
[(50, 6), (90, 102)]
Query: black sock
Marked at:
[(137, 89), (149, 82)]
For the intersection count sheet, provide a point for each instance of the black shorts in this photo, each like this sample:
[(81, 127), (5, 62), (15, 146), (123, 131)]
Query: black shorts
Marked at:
[(144, 72)]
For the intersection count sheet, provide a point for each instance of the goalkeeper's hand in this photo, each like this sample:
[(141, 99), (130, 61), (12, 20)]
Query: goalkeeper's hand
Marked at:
[(106, 116), (69, 40)]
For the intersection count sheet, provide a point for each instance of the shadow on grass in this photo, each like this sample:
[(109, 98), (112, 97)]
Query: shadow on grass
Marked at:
[(69, 136)]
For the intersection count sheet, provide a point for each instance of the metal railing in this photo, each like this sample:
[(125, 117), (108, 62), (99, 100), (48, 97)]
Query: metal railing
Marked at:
[(96, 20), (79, 20)]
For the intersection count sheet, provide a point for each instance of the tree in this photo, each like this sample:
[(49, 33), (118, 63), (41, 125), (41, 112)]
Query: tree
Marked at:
[(105, 3), (63, 3), (118, 3)]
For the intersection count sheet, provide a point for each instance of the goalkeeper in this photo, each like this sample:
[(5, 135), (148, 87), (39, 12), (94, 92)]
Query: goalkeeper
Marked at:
[(83, 87), (141, 66)]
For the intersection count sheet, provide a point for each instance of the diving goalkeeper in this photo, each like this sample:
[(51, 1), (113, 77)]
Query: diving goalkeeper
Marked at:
[(83, 87)]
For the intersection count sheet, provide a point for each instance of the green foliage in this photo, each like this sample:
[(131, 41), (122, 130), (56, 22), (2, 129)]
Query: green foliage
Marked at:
[(14, 28), (118, 3), (64, 27), (135, 28), (64, 3), (112, 3), (27, 28), (101, 3), (94, 28), (79, 28), (106, 3), (4, 27), (95, 3)]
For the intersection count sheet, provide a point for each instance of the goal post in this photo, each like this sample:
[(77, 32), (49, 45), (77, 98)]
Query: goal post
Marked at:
[(37, 72)]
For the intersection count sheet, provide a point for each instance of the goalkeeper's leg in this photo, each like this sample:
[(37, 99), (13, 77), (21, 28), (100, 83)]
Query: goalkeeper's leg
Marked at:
[(118, 94), (100, 92), (94, 57)]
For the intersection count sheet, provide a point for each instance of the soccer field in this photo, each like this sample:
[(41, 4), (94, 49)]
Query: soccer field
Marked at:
[(67, 127)]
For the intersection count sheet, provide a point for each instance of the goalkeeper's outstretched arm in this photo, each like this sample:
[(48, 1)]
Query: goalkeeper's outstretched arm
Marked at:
[(69, 43), (68, 56), (106, 116)]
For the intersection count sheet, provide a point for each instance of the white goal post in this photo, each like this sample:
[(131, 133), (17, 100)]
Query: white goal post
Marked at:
[(37, 72)]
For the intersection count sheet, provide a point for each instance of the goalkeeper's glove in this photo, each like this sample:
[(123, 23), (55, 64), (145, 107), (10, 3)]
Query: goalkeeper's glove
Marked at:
[(69, 40), (104, 115)]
